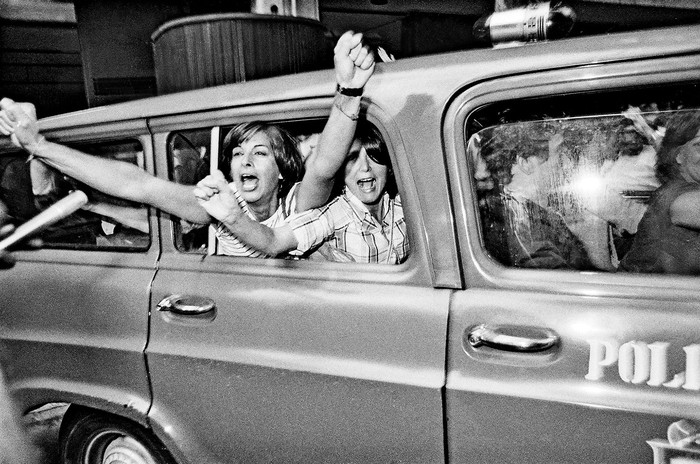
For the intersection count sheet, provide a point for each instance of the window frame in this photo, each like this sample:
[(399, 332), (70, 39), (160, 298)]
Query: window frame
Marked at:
[(413, 269), (132, 129)]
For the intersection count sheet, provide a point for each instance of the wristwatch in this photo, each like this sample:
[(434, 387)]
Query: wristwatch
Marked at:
[(349, 92)]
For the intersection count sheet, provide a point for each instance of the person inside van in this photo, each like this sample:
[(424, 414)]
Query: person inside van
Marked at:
[(511, 169), (668, 236), (613, 184), (265, 165)]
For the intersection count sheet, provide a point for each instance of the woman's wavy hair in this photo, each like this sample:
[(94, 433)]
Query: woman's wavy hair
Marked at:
[(284, 149), (681, 128), (371, 140)]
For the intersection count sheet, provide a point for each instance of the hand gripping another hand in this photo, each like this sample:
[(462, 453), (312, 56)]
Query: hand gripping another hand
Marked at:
[(18, 121), (217, 197)]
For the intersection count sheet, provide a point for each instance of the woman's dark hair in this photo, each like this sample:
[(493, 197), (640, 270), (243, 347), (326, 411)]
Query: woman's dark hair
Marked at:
[(284, 149), (681, 128), (371, 140), (502, 145)]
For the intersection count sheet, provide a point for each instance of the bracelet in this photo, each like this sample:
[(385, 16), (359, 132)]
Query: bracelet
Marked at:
[(40, 141), (355, 115), (349, 92)]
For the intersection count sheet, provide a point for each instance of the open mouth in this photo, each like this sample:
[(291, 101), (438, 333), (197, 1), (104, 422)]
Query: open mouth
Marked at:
[(249, 182), (366, 185)]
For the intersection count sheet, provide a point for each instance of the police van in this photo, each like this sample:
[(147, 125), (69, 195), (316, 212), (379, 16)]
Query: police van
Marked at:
[(509, 334)]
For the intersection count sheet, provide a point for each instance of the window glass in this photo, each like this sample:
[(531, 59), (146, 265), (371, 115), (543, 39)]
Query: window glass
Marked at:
[(29, 187), (586, 189), (276, 153), (189, 155)]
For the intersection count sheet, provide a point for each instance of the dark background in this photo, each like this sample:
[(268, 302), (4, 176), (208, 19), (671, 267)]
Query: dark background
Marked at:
[(67, 56)]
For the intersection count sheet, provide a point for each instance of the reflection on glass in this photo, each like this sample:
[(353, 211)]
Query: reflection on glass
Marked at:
[(562, 193)]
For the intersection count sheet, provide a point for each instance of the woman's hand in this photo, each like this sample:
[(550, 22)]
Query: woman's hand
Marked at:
[(18, 120), (217, 197), (354, 62)]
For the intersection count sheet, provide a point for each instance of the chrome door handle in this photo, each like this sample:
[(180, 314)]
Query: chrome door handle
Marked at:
[(513, 338), (186, 304)]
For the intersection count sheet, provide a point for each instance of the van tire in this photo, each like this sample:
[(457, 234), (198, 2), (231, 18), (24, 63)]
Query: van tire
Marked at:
[(89, 436)]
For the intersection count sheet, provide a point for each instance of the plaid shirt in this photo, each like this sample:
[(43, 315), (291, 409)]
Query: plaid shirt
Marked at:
[(348, 226), (228, 244)]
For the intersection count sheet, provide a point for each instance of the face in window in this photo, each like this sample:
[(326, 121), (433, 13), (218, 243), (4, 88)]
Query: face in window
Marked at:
[(254, 170), (364, 177), (482, 175), (629, 141)]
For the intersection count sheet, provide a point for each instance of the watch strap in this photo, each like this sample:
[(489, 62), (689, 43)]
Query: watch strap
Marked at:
[(349, 92)]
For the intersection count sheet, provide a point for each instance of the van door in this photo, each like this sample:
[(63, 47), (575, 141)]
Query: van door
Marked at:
[(75, 313), (555, 353), (273, 360)]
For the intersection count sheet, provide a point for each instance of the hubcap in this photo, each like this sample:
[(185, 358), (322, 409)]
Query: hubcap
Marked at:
[(120, 449), (126, 450)]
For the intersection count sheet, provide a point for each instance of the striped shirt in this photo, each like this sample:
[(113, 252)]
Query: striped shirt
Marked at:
[(346, 224), (228, 244)]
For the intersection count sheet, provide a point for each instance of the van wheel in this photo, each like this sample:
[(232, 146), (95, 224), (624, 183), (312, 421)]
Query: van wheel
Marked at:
[(91, 437)]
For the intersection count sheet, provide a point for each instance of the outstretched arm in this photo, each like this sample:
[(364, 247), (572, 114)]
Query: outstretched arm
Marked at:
[(117, 178), (354, 65), (215, 195)]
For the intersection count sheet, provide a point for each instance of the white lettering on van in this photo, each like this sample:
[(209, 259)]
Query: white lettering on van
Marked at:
[(639, 362)]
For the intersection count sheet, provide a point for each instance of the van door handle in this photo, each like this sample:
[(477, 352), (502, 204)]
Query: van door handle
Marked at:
[(512, 338), (186, 304)]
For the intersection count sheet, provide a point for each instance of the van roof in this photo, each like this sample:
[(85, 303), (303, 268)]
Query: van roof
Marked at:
[(435, 75)]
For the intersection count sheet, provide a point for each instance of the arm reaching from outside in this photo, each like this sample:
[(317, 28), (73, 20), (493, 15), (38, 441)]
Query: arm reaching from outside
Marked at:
[(354, 65), (120, 179), (215, 195)]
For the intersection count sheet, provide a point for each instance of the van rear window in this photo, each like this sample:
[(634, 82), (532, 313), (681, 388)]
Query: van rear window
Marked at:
[(585, 182)]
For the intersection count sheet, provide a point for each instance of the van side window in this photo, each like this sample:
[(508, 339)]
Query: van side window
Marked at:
[(195, 153), (106, 222), (577, 191)]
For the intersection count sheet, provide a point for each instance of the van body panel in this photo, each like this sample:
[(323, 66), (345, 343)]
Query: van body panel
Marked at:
[(86, 316), (288, 356)]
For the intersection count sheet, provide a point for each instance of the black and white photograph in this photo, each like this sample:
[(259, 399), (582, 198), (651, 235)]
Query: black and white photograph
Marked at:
[(349, 232)]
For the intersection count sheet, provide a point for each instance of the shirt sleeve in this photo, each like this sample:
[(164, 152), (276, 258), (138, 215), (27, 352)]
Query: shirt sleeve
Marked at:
[(311, 228)]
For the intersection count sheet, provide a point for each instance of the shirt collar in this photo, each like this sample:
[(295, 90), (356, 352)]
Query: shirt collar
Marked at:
[(361, 209)]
